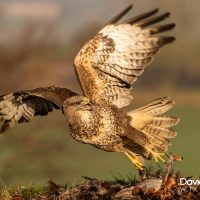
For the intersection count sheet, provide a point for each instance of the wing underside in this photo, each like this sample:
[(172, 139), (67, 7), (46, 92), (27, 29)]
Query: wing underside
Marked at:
[(22, 106), (111, 62)]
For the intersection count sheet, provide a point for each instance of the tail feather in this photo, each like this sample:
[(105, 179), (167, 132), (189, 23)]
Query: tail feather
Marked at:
[(160, 132), (164, 122), (157, 128), (157, 143), (156, 107)]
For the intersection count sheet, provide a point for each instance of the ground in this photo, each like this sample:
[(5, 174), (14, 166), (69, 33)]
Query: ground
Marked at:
[(162, 184)]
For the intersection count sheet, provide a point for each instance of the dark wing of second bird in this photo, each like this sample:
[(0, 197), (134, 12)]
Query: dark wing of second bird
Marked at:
[(22, 106)]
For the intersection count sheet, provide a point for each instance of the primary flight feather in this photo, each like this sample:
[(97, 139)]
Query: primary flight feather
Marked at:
[(106, 68)]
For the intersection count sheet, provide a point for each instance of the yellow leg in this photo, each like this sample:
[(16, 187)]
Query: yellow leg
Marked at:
[(156, 155), (134, 160), (132, 156)]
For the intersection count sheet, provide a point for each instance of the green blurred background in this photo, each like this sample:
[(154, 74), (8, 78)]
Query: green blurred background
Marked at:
[(38, 41)]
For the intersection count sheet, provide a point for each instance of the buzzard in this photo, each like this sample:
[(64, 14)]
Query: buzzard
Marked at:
[(106, 68)]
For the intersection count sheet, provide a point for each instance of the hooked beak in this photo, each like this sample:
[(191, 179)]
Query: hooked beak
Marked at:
[(85, 102)]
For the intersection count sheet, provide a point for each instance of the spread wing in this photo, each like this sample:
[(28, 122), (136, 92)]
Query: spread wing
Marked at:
[(22, 106), (110, 63)]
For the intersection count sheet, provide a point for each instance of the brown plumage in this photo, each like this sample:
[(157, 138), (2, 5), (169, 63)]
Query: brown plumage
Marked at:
[(106, 68), (22, 106)]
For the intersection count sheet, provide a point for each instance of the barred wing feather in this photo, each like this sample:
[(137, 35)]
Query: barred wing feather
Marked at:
[(111, 62), (22, 106)]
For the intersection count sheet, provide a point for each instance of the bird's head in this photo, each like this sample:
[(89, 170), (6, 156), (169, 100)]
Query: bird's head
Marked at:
[(77, 103), (77, 108)]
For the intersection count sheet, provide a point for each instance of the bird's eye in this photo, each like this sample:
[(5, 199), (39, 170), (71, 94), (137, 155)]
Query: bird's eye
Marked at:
[(78, 102)]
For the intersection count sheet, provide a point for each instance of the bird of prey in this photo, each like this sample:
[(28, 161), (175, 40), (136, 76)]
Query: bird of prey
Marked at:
[(106, 68)]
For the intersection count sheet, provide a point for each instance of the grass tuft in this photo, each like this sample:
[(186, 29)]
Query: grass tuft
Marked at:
[(24, 192)]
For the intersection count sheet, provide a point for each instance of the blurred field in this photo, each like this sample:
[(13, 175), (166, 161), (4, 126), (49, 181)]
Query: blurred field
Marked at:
[(38, 50)]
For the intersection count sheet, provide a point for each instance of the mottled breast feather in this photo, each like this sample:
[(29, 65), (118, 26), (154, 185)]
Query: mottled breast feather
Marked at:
[(110, 63)]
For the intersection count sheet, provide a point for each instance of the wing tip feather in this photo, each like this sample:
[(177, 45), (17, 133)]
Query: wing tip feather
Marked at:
[(162, 28), (167, 39), (142, 16), (153, 20), (117, 17)]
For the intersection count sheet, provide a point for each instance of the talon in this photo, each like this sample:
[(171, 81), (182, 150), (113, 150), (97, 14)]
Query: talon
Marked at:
[(139, 166), (134, 160), (159, 155), (156, 155)]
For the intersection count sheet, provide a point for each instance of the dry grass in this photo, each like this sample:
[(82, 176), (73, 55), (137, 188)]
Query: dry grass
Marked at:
[(161, 184)]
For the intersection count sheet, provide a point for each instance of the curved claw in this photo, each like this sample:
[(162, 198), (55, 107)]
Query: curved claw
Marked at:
[(157, 156), (134, 160)]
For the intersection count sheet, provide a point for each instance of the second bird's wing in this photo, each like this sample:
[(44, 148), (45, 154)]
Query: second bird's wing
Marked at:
[(22, 106)]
